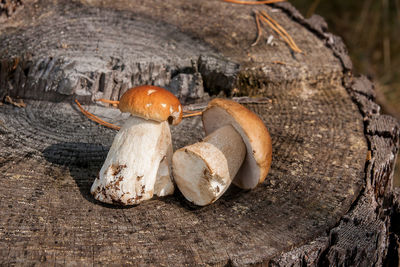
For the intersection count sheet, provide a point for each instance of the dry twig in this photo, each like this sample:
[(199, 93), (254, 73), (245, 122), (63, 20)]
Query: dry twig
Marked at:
[(279, 30), (19, 104), (259, 31), (192, 114), (278, 62), (283, 31), (116, 102), (113, 102), (95, 118), (262, 15), (253, 2)]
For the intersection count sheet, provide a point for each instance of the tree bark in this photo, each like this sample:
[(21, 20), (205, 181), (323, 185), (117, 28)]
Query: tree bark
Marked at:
[(328, 199)]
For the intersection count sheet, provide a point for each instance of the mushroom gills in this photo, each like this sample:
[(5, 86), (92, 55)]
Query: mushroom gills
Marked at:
[(130, 170), (203, 171)]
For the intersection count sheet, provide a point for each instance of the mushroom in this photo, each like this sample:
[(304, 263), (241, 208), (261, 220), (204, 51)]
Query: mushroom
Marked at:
[(138, 163), (237, 148)]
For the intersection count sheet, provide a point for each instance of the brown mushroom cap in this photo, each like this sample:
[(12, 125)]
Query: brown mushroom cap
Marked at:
[(257, 162), (153, 103)]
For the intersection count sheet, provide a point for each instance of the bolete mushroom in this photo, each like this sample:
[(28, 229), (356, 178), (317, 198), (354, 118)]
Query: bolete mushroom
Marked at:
[(138, 163), (237, 148)]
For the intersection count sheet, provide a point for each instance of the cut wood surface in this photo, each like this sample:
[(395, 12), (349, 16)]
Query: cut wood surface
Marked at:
[(333, 153)]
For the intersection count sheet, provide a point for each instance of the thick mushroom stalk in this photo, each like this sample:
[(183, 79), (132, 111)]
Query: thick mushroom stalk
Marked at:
[(164, 185), (203, 171), (137, 165)]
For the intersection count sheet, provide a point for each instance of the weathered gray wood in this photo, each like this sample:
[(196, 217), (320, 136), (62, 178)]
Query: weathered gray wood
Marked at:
[(100, 52), (368, 234), (322, 203)]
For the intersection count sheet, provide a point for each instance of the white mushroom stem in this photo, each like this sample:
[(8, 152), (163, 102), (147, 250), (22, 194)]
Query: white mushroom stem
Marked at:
[(164, 185), (203, 171), (129, 174)]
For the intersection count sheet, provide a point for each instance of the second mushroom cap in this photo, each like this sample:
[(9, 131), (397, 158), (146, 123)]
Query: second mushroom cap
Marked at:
[(254, 170), (237, 148)]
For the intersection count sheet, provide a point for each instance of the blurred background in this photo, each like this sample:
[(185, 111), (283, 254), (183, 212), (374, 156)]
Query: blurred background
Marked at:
[(371, 31)]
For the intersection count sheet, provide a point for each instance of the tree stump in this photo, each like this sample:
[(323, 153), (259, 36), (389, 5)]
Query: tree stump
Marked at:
[(328, 199)]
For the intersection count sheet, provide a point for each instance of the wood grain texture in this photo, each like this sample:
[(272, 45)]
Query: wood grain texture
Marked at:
[(321, 197), (58, 153), (101, 51)]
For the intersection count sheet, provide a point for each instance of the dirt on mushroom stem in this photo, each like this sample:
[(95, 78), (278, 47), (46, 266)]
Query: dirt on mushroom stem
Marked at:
[(131, 169), (141, 151)]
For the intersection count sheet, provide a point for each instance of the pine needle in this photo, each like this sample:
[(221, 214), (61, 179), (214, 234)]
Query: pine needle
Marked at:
[(279, 30), (259, 31), (198, 113), (19, 104), (115, 127), (253, 2), (95, 118), (114, 102)]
